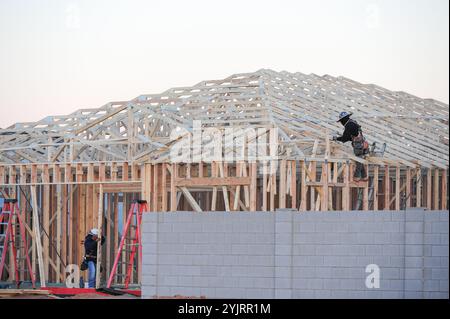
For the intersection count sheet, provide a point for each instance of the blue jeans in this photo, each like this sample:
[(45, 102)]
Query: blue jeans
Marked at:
[(91, 269)]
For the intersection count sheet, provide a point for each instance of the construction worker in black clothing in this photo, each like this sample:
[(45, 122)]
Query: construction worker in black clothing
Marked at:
[(90, 247), (353, 133)]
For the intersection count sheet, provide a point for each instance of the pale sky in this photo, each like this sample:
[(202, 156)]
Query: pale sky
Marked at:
[(57, 56)]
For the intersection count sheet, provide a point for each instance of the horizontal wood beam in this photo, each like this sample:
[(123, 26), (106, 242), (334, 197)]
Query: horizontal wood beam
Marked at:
[(212, 181)]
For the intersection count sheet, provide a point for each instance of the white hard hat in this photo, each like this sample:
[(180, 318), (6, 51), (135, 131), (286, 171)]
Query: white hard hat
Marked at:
[(94, 232)]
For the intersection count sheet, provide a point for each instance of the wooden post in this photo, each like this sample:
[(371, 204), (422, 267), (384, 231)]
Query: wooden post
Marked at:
[(324, 197), (214, 193), (253, 188), (312, 170), (58, 232), (163, 187), (375, 187), (100, 234), (282, 183), (303, 188), (173, 189), (387, 188), (436, 189), (444, 190), (397, 188), (429, 184), (294, 184), (155, 188), (37, 236), (45, 226), (264, 187), (419, 187), (346, 188), (408, 187)]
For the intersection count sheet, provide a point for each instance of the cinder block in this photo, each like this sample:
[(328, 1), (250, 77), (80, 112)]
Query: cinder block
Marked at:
[(264, 282), (414, 250), (332, 284), (149, 227), (258, 294), (413, 294), (283, 283), (414, 227), (440, 227), (414, 238), (414, 216), (283, 261), (397, 284), (392, 295), (303, 294), (443, 216), (440, 251), (148, 280), (374, 250), (324, 272), (443, 286), (167, 259), (381, 261), (325, 250), (331, 261), (303, 250), (148, 292), (200, 260), (208, 270), (339, 227), (432, 239), (413, 273), (431, 285), (149, 259), (283, 216), (397, 238), (381, 238), (164, 228), (391, 227), (413, 262), (283, 227), (255, 228), (322, 294), (324, 227), (435, 295), (231, 282), (304, 238), (340, 294), (439, 273), (239, 249), (282, 272), (413, 285), (444, 262), (397, 261), (304, 227), (444, 239), (283, 250), (304, 272), (283, 293)]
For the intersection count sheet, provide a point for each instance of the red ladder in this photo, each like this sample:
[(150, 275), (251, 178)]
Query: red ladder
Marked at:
[(8, 216), (136, 210)]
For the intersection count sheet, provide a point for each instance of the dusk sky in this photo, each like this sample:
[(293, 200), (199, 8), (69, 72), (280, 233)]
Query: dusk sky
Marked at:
[(58, 56)]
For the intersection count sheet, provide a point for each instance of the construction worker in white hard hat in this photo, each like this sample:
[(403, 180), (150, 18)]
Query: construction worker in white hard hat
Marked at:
[(90, 257), (353, 133)]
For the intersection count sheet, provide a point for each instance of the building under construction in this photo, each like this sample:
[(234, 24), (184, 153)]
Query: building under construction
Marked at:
[(75, 172)]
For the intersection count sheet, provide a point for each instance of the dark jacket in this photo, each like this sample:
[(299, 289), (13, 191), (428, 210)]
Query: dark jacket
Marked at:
[(351, 130), (90, 247)]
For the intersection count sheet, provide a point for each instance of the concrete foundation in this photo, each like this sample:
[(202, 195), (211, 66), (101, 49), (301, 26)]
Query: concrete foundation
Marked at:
[(289, 254)]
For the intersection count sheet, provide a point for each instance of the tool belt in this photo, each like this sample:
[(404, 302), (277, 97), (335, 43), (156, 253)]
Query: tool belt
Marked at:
[(360, 145)]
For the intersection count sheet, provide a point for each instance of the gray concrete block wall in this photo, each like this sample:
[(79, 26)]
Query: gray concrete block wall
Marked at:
[(295, 255)]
